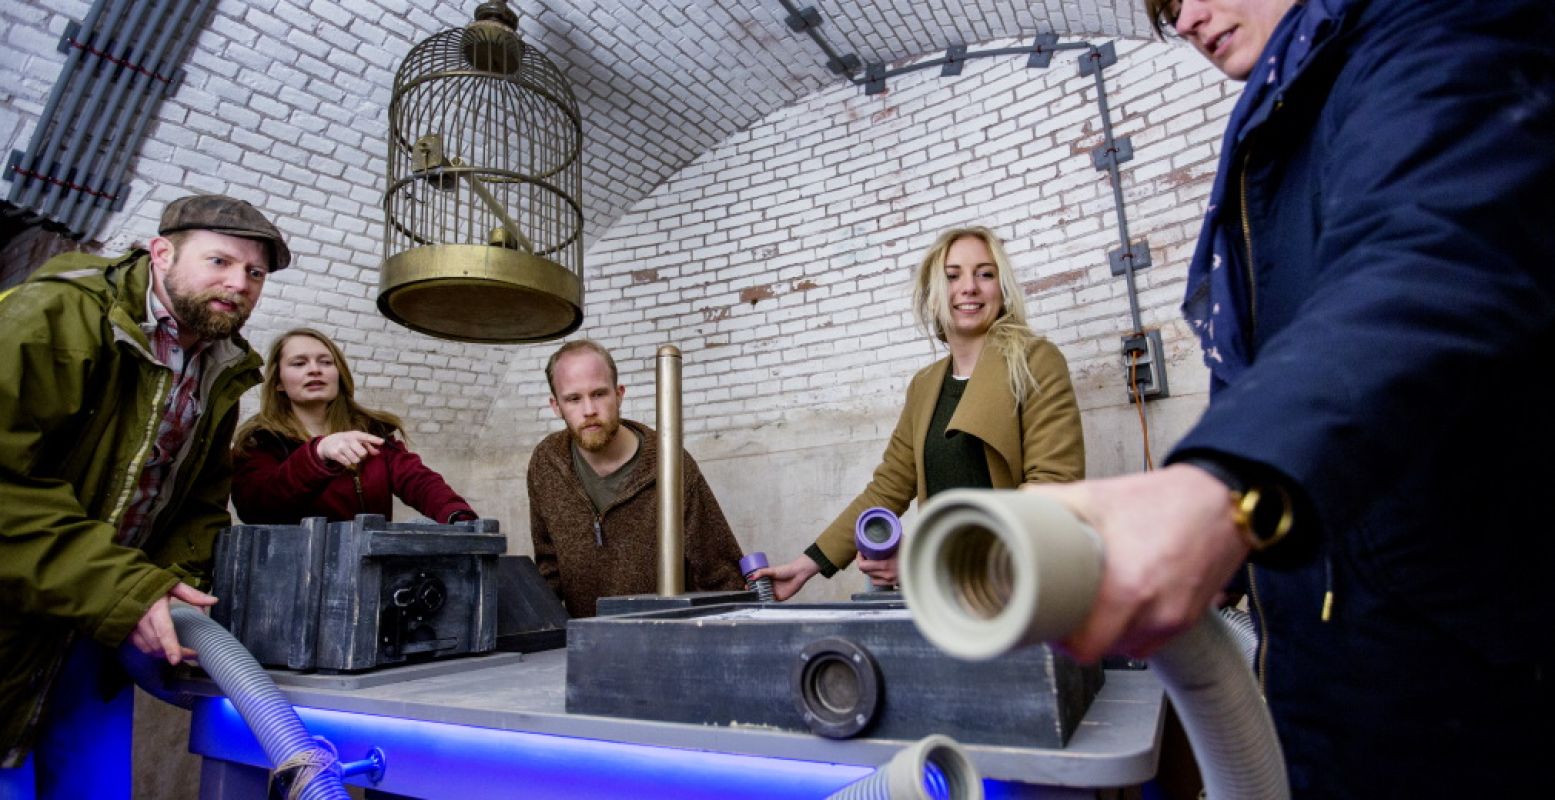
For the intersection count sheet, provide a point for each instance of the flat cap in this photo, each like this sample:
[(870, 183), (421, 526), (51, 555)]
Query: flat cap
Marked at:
[(229, 215)]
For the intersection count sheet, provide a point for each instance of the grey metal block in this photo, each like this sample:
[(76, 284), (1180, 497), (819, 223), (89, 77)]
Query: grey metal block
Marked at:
[(840, 670)]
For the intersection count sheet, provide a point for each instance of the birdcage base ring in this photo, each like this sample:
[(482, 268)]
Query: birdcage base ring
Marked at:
[(480, 293)]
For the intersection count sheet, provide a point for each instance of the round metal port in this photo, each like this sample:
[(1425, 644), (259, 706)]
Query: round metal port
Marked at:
[(836, 687)]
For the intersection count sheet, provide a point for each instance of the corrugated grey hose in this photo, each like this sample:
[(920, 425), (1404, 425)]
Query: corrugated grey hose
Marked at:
[(932, 768), (1241, 624), (988, 571), (272, 719)]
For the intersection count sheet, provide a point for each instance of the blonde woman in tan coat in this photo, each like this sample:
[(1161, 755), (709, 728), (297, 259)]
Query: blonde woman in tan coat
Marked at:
[(997, 412)]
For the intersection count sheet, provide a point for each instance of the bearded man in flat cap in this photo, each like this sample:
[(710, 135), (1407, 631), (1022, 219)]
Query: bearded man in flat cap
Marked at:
[(119, 387)]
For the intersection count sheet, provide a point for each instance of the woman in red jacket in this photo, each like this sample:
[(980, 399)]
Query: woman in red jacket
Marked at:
[(312, 451)]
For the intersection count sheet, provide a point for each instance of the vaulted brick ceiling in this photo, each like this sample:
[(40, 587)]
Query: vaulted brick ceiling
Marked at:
[(659, 82)]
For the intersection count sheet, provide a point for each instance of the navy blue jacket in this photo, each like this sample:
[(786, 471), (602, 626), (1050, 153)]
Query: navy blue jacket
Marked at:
[(1397, 200)]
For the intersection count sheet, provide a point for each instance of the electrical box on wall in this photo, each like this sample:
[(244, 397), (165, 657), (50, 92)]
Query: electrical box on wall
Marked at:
[(1144, 366)]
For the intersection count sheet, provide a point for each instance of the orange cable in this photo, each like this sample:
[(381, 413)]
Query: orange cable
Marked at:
[(1139, 403)]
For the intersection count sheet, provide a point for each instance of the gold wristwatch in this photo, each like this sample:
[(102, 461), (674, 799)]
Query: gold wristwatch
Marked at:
[(1264, 513)]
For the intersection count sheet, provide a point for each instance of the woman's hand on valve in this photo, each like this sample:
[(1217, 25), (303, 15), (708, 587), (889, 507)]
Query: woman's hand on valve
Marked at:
[(788, 579), (881, 573), (1170, 543), (348, 448)]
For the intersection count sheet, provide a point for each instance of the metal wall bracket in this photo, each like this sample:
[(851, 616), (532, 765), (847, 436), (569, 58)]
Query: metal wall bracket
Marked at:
[(11, 165), (1104, 157), (804, 19), (1144, 365), (874, 79), (71, 34), (955, 59), (1138, 253), (1098, 58), (845, 64), (1042, 51)]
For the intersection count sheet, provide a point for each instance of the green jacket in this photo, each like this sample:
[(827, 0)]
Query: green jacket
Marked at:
[(1038, 440), (81, 396)]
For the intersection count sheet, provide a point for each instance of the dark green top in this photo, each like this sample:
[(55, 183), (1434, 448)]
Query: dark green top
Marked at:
[(602, 491), (952, 459)]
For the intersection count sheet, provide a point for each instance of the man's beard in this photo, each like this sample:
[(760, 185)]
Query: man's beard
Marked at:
[(195, 314), (597, 439)]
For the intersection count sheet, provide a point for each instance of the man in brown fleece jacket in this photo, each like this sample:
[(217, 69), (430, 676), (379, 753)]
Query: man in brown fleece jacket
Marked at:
[(593, 510)]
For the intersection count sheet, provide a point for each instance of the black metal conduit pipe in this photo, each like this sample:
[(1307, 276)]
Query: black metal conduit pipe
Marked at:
[(121, 61), (1044, 44), (72, 59), (108, 87), (846, 64), (157, 91), (958, 55), (151, 84), (839, 64), (103, 81), (64, 102), (1116, 178)]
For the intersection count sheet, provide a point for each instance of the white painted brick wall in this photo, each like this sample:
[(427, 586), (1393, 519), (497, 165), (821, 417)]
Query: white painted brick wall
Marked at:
[(799, 341), (778, 259)]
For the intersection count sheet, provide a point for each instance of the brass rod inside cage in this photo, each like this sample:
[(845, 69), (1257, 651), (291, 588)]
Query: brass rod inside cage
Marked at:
[(495, 207)]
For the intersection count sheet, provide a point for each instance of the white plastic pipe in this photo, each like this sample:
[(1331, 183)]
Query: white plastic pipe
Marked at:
[(932, 768), (988, 571)]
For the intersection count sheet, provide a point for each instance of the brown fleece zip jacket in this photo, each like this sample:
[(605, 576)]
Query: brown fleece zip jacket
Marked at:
[(584, 556)]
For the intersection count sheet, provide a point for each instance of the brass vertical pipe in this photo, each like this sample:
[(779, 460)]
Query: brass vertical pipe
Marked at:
[(672, 498)]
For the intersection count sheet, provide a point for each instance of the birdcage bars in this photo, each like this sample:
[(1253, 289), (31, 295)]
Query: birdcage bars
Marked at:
[(484, 145)]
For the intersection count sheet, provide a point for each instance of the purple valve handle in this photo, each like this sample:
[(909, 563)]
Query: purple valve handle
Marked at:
[(762, 586), (877, 534)]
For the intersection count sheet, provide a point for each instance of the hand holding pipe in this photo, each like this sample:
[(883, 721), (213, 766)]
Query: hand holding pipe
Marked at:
[(988, 571), (877, 534), (761, 586)]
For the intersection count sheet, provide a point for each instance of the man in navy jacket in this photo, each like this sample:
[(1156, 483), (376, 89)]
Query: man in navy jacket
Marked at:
[(1375, 294)]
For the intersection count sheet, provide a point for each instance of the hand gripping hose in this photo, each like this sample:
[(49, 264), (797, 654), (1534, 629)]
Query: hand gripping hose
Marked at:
[(761, 586), (932, 768), (274, 723), (988, 571)]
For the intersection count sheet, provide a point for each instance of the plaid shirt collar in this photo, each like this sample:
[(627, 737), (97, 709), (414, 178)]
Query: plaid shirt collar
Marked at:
[(178, 419)]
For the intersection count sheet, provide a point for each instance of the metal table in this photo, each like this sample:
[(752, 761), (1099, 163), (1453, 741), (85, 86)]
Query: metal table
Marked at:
[(496, 726)]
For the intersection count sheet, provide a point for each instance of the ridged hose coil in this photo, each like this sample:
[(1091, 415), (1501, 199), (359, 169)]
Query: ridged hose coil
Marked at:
[(932, 768), (268, 714)]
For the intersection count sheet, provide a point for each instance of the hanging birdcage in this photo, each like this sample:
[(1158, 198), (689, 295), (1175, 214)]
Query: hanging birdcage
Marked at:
[(483, 233)]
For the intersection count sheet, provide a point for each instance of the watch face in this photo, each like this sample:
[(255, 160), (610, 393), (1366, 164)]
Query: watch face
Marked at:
[(1269, 513)]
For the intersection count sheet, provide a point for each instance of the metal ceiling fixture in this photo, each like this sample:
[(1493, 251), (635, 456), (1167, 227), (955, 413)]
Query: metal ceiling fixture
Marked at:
[(483, 229)]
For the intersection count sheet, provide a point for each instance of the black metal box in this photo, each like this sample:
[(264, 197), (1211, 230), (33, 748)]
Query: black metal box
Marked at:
[(835, 669), (348, 596), (530, 617)]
